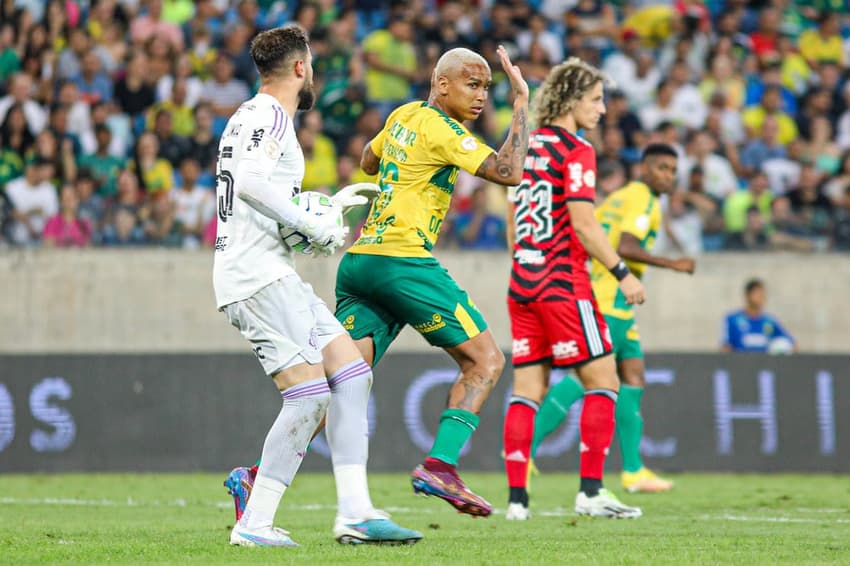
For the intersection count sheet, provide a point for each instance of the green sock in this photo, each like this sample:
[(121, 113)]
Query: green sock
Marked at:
[(630, 426), (554, 409), (456, 426)]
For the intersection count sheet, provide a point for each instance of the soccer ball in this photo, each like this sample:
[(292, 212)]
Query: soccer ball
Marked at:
[(314, 203), (781, 346)]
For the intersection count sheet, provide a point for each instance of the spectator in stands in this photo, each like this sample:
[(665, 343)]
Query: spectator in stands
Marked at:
[(159, 225), (754, 236), (20, 94), (224, 92), (79, 111), (392, 69), (757, 151), (841, 223), (824, 44), (787, 230), (203, 144), (102, 165), (93, 83), (237, 39), (661, 110), (751, 329), (151, 25), (724, 78), (836, 187), (764, 40), (689, 109), (60, 154), (194, 205), (192, 88), (641, 90), (10, 61), (171, 146), (182, 118), (15, 136), (719, 178), (33, 201), (319, 159), (134, 93), (823, 150), (611, 176), (784, 172), (736, 206), (816, 104), (810, 204), (70, 62), (619, 116), (771, 101), (537, 33), (155, 173), (479, 229), (591, 23), (67, 229), (92, 206), (112, 46)]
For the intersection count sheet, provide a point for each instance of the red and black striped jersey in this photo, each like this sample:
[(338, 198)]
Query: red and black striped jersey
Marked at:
[(550, 263)]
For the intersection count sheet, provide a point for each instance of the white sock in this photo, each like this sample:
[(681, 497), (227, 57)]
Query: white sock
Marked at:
[(352, 492), (262, 505)]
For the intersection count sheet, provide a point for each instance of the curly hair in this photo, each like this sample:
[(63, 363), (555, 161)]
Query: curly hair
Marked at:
[(565, 85)]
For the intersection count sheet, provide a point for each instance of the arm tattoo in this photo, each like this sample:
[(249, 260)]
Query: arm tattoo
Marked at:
[(502, 167)]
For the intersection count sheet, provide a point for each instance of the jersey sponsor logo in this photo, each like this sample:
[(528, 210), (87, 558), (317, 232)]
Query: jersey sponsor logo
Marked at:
[(220, 243), (258, 351), (402, 134), (234, 130), (530, 257), (590, 178), (521, 347), (348, 323), (565, 350), (576, 172), (537, 163), (543, 138), (256, 138), (272, 148), (432, 325), (469, 143)]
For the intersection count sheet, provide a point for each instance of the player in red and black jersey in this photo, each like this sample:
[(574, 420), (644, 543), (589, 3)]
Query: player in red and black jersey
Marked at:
[(555, 321)]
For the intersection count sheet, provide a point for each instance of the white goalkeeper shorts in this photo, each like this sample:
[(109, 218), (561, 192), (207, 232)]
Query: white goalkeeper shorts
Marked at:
[(286, 324)]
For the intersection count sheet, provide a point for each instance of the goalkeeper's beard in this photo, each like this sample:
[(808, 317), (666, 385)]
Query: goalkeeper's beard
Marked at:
[(306, 96)]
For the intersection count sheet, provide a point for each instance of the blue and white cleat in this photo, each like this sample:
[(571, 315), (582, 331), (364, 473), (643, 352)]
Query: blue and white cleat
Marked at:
[(376, 530), (267, 536), (239, 483)]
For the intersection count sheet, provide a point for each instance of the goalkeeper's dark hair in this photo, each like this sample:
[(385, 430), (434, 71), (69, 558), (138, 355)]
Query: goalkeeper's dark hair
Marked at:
[(752, 285), (275, 49), (654, 149)]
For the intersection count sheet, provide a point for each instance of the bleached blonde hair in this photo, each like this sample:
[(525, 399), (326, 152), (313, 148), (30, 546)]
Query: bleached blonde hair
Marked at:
[(454, 59), (566, 84)]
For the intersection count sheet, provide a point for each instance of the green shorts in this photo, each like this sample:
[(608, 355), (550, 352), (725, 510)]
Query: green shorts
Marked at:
[(625, 337), (377, 295)]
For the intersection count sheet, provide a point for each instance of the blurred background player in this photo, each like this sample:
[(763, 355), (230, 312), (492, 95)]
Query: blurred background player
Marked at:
[(417, 156), (299, 343), (753, 330), (631, 216), (555, 321)]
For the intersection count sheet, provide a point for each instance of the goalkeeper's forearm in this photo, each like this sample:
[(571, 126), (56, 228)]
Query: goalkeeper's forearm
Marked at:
[(252, 185)]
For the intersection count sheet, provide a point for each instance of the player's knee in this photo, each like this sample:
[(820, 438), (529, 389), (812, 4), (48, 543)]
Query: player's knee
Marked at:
[(494, 363)]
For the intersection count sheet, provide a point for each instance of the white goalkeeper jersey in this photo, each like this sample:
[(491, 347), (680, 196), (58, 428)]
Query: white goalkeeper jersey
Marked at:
[(249, 253)]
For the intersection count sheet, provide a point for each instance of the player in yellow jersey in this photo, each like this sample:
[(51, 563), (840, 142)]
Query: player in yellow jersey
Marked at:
[(631, 216), (389, 279)]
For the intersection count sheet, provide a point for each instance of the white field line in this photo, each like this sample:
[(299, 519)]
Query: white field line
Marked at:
[(556, 512), (769, 519)]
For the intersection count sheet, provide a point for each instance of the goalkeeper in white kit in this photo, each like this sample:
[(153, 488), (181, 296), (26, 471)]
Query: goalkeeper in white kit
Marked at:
[(305, 350)]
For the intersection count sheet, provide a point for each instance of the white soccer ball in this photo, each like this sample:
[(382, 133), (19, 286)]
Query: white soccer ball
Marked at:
[(314, 203), (780, 346)]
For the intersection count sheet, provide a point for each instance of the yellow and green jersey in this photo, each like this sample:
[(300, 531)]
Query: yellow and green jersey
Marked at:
[(421, 151), (633, 209)]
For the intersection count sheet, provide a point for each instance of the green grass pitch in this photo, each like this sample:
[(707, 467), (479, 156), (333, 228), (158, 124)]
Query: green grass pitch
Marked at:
[(178, 519)]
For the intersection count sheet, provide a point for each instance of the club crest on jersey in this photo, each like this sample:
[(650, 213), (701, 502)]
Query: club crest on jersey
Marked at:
[(590, 178)]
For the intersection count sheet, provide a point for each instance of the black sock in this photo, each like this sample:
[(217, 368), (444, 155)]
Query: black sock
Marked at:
[(518, 495), (590, 486)]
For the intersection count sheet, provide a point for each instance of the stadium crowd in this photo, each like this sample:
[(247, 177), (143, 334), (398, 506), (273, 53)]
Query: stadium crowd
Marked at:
[(110, 110)]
